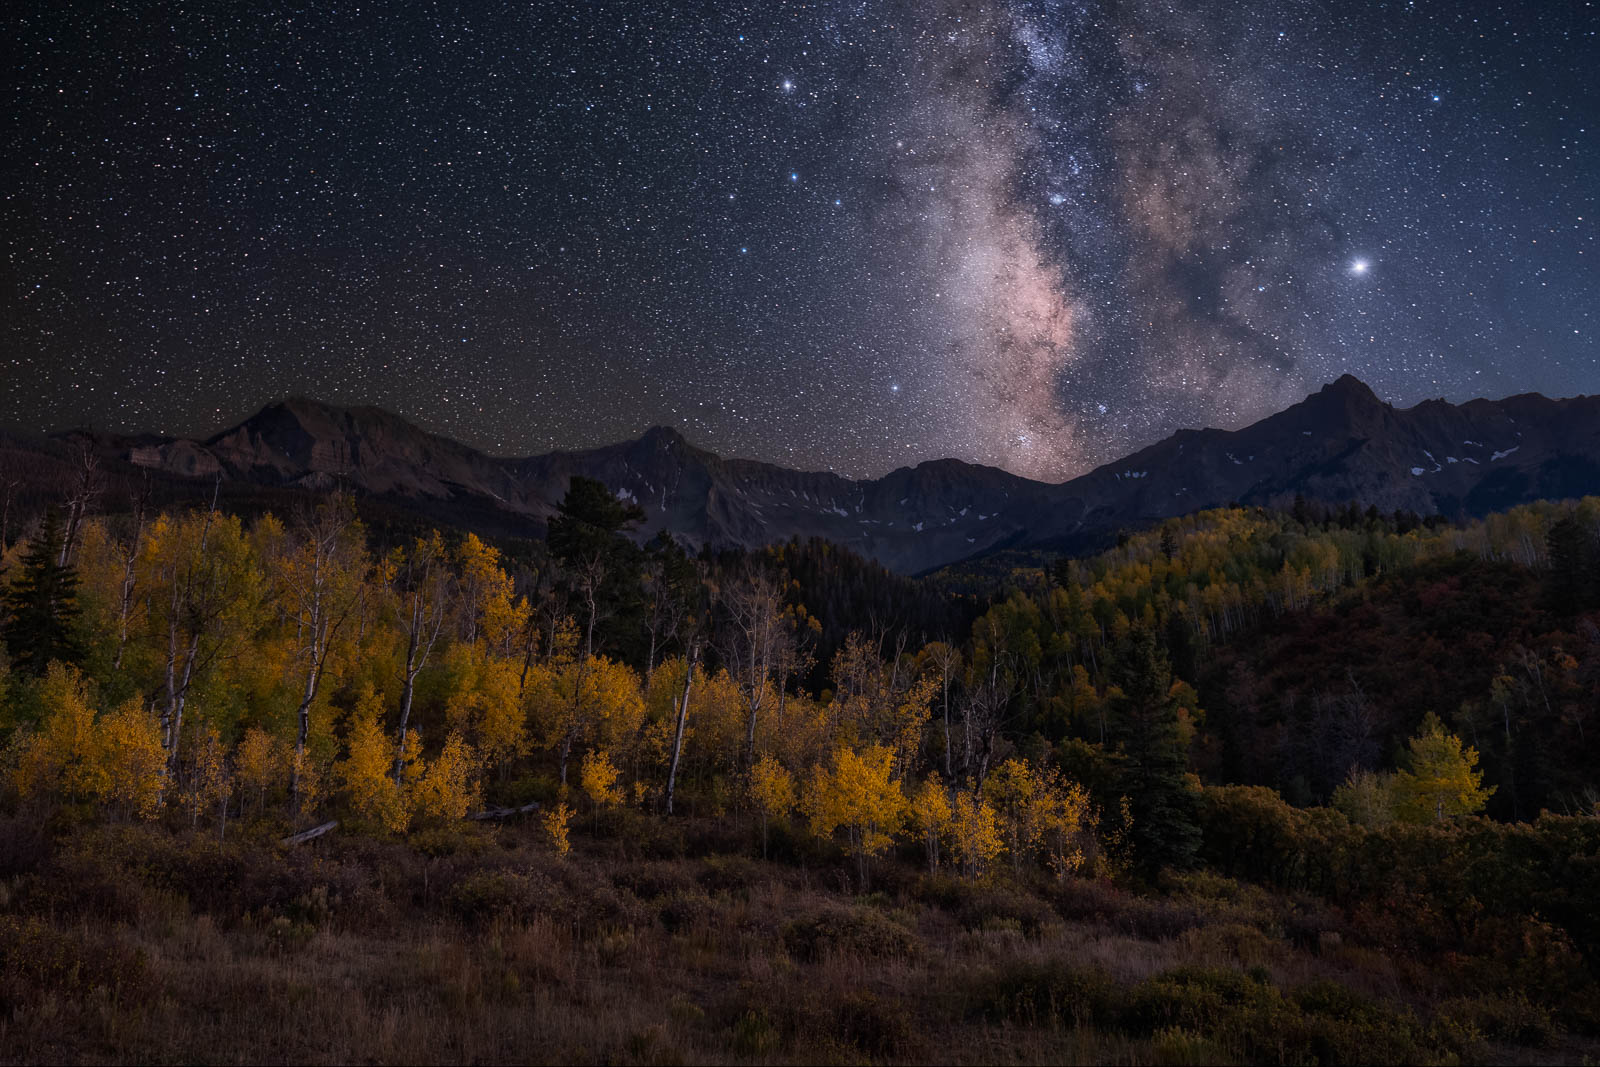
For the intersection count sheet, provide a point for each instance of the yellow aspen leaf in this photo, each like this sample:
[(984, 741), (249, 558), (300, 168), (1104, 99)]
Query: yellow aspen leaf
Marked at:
[(858, 795), (930, 815), (65, 753), (209, 784), (557, 826), (259, 762), (975, 833), (449, 788), (135, 761), (367, 771), (598, 776)]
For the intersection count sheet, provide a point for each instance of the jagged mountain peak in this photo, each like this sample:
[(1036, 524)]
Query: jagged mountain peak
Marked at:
[(321, 417), (1352, 388), (1341, 444), (663, 434)]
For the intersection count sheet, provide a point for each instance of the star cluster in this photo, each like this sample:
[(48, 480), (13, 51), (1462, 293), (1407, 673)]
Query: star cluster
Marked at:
[(845, 235)]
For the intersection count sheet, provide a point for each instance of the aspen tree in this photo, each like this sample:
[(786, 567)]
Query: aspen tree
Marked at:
[(320, 584), (1441, 779), (424, 583), (135, 762), (772, 791), (931, 815), (448, 789), (858, 795)]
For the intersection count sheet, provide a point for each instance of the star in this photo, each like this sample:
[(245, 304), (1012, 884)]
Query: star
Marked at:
[(1058, 211)]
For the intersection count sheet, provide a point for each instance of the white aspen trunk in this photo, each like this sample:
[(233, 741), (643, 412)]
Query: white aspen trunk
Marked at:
[(683, 717)]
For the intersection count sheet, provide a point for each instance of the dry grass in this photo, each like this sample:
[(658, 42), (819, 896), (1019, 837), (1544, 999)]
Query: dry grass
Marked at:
[(367, 952)]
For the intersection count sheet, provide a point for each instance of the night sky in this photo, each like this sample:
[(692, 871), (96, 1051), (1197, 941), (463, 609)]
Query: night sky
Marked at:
[(839, 235)]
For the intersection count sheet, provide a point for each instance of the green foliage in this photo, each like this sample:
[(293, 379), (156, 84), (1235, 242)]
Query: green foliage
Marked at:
[(40, 606), (1148, 733), (587, 536), (1366, 798)]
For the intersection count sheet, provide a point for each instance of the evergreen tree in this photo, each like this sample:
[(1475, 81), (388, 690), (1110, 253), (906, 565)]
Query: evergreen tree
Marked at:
[(1169, 541), (588, 538), (1148, 732), (41, 606), (1569, 583)]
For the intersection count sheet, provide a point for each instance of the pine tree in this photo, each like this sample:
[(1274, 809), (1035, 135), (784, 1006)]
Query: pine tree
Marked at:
[(1148, 731), (41, 607), (1569, 583), (588, 537), (1169, 541)]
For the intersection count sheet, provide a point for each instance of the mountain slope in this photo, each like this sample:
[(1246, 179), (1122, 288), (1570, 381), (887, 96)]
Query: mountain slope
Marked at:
[(1340, 444), (1343, 443)]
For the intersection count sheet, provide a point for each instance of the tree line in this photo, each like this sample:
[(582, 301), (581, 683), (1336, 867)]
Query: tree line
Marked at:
[(191, 662)]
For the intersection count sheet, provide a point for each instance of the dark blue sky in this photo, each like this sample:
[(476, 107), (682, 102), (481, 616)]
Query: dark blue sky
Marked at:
[(835, 235)]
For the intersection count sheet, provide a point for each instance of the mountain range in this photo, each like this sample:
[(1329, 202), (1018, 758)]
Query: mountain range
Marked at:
[(1340, 444)]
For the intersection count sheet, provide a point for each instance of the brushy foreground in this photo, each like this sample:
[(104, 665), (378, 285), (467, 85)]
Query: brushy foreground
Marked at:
[(138, 943)]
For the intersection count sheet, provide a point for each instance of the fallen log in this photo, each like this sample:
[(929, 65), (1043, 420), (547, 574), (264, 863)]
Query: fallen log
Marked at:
[(307, 835), (503, 813)]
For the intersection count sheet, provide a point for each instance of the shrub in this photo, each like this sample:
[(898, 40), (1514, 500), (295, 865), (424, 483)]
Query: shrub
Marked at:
[(450, 839), (650, 881), (1502, 1017), (36, 959), (1176, 1047), (24, 845), (731, 874), (1231, 941), (853, 931), (485, 895), (1322, 1023), (754, 1035), (977, 906), (1193, 998), (1052, 994), (685, 909), (879, 1027)]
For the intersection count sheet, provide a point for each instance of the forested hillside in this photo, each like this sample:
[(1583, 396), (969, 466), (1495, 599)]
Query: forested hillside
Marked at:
[(1335, 768)]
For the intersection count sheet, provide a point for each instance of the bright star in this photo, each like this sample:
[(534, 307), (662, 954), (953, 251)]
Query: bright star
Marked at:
[(1359, 266), (794, 176), (788, 86)]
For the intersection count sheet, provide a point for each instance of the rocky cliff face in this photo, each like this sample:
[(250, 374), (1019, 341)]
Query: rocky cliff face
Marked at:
[(1339, 444)]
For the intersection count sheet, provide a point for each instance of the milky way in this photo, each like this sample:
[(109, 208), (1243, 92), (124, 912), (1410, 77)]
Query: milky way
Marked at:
[(844, 235)]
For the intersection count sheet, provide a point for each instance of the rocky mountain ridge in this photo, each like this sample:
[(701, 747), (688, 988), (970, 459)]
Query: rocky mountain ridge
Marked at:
[(1341, 443)]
